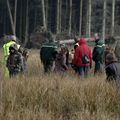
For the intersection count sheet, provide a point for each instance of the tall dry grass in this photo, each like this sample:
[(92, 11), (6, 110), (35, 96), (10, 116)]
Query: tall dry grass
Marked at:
[(36, 96)]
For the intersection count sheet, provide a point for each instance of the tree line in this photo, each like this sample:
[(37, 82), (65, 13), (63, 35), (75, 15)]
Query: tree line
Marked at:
[(72, 17)]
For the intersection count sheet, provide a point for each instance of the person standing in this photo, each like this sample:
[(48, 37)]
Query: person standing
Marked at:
[(60, 61), (6, 46), (83, 58), (98, 57), (14, 61), (48, 53), (12, 40)]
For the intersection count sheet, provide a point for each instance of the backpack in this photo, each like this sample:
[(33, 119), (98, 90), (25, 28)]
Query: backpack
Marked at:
[(85, 59)]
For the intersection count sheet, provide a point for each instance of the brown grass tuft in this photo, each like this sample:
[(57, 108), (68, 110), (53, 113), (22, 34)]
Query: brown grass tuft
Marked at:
[(36, 96)]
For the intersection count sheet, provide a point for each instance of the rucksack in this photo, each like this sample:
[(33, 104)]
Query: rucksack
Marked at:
[(85, 59)]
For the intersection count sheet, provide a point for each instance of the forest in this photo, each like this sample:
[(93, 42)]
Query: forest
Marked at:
[(62, 17)]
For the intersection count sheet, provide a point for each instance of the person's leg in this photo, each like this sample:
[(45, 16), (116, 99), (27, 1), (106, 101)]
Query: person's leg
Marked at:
[(86, 71), (81, 71), (50, 66), (45, 66), (97, 67)]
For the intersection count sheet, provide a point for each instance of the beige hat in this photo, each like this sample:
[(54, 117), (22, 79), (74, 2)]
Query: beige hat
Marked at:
[(111, 57), (13, 37)]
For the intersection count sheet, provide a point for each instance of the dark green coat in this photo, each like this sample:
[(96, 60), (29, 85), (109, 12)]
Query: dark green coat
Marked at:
[(47, 52), (98, 52)]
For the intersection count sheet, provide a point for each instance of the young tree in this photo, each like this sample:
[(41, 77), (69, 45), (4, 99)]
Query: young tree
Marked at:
[(104, 20), (43, 14), (11, 18), (113, 18), (70, 18), (80, 19), (88, 29), (60, 20), (27, 24), (15, 13), (89, 19), (20, 27), (58, 16), (46, 13)]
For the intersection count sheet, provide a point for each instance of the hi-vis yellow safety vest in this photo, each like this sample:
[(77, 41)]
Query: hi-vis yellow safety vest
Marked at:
[(6, 49)]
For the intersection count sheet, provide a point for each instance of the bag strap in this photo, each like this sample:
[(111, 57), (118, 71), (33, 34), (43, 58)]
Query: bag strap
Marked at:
[(86, 52)]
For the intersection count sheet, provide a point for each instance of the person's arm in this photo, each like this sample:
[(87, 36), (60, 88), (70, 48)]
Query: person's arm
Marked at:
[(64, 62), (20, 63), (94, 54), (90, 57), (8, 64), (76, 56)]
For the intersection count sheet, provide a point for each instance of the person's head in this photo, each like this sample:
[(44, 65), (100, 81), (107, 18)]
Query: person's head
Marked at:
[(48, 36), (13, 48), (100, 43), (76, 45), (13, 38), (76, 39), (63, 50), (82, 41), (110, 58)]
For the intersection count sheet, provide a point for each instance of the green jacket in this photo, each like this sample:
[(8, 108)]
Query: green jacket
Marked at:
[(6, 49), (48, 51)]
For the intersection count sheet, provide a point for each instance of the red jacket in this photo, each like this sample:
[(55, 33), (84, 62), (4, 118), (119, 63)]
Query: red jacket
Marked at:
[(80, 52)]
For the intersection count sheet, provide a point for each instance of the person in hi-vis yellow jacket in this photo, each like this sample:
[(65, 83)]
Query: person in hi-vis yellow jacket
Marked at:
[(6, 46)]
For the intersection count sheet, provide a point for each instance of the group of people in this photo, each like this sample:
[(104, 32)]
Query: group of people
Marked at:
[(80, 59), (59, 59), (15, 57)]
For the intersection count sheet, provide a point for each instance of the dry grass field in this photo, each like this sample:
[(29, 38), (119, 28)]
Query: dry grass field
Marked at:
[(36, 96)]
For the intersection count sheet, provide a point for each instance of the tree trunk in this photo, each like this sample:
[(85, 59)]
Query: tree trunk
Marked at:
[(104, 20), (88, 27), (43, 14), (113, 18), (20, 34), (4, 20), (66, 15), (46, 13), (58, 16), (27, 24), (60, 20), (15, 12), (35, 18), (11, 18), (87, 22), (89, 19), (80, 19), (70, 19)]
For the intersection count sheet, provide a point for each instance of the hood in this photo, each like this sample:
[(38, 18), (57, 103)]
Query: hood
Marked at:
[(82, 41), (100, 43), (13, 46)]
